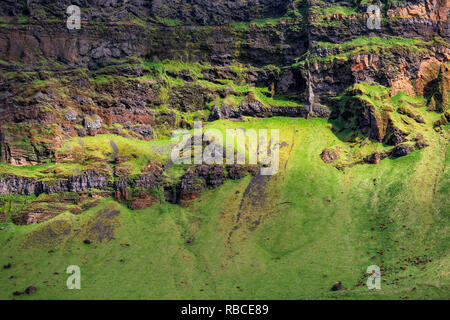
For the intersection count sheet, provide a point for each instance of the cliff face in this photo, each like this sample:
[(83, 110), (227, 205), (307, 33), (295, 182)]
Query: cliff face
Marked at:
[(140, 69), (32, 186), (196, 12), (404, 66)]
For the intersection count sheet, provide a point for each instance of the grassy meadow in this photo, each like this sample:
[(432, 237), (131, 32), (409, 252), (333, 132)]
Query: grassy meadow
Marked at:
[(290, 236)]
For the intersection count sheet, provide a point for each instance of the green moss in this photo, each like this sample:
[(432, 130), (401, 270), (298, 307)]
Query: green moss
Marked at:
[(373, 90), (382, 46), (99, 147), (264, 95), (403, 98), (260, 23), (169, 22), (327, 11), (158, 193)]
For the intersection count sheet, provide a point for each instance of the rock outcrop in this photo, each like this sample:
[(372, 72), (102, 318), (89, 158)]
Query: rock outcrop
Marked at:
[(141, 69), (210, 176), (252, 107), (11, 184)]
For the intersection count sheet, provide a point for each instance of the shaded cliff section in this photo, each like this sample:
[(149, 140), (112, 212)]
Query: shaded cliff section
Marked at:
[(285, 32), (180, 12), (104, 35), (119, 29)]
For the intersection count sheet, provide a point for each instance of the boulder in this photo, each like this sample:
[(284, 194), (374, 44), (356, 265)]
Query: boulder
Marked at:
[(401, 151), (330, 155)]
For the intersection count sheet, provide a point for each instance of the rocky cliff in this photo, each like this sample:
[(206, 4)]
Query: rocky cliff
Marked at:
[(140, 69)]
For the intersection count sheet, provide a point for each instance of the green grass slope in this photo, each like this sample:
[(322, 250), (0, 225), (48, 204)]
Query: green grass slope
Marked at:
[(290, 236)]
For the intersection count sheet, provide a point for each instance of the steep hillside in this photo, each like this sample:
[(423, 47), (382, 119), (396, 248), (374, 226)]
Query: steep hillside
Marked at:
[(86, 175)]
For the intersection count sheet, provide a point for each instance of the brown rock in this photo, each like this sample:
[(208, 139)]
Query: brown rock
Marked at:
[(30, 290), (373, 158), (401, 151), (337, 286), (330, 155), (142, 200)]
